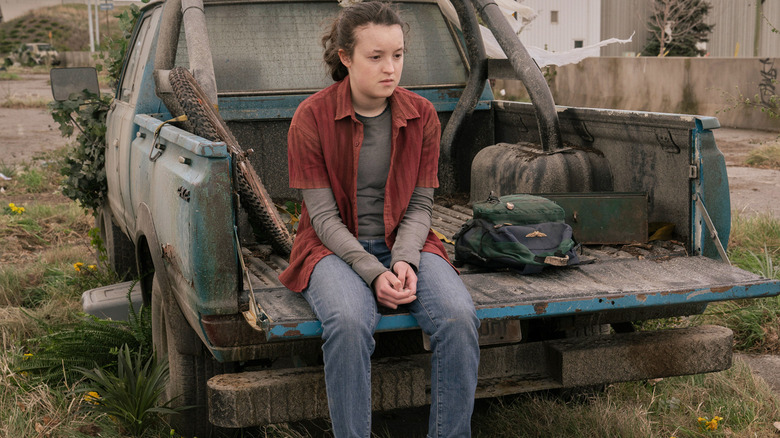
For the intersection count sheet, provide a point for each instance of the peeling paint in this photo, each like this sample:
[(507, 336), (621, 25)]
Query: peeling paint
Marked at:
[(540, 308)]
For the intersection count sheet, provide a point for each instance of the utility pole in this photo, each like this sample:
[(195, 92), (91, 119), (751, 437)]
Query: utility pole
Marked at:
[(757, 35), (91, 31), (97, 25)]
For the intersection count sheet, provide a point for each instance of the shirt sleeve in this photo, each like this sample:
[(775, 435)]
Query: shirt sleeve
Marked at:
[(306, 160), (427, 175), (414, 227), (327, 224)]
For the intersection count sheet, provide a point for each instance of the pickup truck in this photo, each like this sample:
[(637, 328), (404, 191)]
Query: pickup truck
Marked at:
[(245, 350)]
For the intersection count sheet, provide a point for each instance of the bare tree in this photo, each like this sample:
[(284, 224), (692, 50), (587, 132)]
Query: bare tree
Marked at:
[(678, 24)]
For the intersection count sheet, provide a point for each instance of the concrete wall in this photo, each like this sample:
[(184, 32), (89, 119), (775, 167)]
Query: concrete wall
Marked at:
[(703, 86)]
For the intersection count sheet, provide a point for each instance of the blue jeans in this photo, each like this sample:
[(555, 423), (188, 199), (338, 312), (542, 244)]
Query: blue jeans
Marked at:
[(347, 309)]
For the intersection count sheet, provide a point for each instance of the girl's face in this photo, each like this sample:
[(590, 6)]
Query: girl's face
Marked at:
[(375, 65)]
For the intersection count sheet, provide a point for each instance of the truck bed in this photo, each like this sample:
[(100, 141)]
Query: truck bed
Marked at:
[(613, 284)]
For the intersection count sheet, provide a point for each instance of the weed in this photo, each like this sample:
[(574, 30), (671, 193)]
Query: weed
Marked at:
[(83, 167), (132, 394), (91, 342), (33, 180), (669, 407), (6, 76), (766, 157), (750, 235), (9, 170), (28, 103), (754, 322), (40, 227)]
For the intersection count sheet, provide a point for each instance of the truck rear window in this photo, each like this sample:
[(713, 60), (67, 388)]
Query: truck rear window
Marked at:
[(276, 46)]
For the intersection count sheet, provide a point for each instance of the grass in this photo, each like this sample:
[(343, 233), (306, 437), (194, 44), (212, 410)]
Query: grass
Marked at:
[(765, 157), (666, 408), (6, 76), (8, 170), (754, 243), (25, 103)]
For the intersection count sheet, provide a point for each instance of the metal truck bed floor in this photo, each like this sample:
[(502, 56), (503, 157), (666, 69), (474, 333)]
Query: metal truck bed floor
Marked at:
[(612, 278)]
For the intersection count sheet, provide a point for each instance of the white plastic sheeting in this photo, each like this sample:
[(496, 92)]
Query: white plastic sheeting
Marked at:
[(525, 15)]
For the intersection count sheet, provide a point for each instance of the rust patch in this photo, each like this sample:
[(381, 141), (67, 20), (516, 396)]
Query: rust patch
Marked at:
[(720, 290), (677, 292), (289, 333), (540, 308), (167, 253)]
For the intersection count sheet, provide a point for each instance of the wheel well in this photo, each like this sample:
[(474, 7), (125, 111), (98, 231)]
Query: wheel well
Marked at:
[(145, 267)]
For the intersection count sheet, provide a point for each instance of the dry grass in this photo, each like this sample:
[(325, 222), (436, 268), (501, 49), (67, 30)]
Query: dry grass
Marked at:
[(23, 237), (668, 408), (765, 157), (26, 103), (32, 409)]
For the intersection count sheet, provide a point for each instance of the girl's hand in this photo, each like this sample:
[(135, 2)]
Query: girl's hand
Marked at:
[(406, 275), (390, 291)]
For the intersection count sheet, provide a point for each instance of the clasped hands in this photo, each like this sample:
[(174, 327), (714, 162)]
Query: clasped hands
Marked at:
[(396, 287)]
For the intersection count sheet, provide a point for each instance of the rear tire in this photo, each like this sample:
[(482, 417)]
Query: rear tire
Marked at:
[(190, 365), (119, 248)]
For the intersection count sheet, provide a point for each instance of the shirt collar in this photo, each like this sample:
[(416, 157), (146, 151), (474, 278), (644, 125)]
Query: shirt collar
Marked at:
[(400, 104)]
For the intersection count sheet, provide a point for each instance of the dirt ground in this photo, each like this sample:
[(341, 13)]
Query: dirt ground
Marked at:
[(26, 132)]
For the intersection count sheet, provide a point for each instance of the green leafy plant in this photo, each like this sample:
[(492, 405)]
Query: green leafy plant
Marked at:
[(116, 47), (90, 342), (84, 166), (132, 394)]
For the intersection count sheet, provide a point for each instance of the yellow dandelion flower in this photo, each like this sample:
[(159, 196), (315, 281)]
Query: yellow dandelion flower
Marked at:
[(92, 267), (92, 397), (20, 210), (27, 355), (11, 205), (77, 266)]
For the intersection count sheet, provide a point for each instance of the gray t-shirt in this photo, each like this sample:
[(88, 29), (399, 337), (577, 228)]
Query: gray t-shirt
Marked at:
[(373, 168)]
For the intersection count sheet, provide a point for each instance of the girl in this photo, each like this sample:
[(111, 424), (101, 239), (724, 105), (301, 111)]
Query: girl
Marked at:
[(365, 154)]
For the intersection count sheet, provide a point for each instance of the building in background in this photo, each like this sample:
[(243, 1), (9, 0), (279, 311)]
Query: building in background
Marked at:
[(740, 29), (563, 24)]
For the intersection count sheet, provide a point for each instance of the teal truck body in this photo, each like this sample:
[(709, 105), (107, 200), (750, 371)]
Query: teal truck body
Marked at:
[(173, 216)]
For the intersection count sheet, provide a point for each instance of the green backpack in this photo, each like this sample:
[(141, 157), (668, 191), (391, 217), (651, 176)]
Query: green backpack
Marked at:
[(518, 210), (522, 232)]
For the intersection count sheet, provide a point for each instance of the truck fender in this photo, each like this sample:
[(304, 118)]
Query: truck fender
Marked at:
[(145, 231), (188, 340)]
